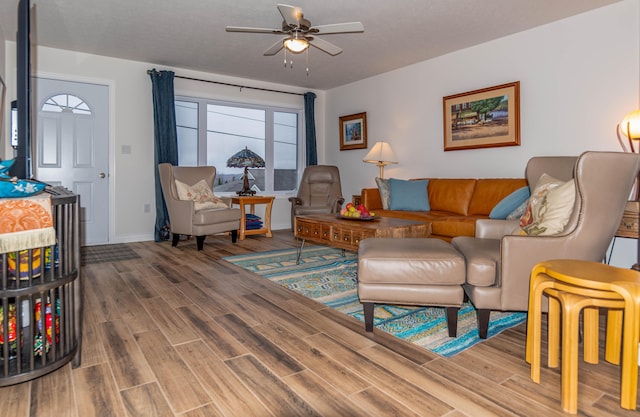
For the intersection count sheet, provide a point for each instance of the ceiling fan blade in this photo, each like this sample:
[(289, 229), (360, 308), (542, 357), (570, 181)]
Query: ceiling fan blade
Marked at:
[(275, 48), (351, 27), (325, 46), (292, 15), (253, 30)]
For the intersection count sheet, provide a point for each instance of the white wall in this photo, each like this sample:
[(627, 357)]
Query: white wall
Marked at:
[(578, 78), (132, 175)]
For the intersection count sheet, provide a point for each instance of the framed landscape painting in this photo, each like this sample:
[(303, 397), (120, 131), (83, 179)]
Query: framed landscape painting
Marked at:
[(353, 131), (484, 118)]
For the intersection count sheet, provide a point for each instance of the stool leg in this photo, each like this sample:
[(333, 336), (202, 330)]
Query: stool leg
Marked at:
[(571, 307), (629, 381), (590, 324), (452, 321), (534, 323), (553, 333), (614, 336), (368, 316)]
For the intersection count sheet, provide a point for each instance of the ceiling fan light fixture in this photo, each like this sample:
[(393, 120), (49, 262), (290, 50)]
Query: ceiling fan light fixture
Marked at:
[(296, 45)]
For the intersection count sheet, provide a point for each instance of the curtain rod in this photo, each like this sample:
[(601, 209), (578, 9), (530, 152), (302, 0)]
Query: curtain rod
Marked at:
[(233, 85)]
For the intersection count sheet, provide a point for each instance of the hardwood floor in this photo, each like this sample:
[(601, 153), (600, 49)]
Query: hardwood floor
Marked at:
[(182, 333)]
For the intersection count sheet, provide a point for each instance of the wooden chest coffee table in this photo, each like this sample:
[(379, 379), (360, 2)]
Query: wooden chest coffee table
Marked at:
[(329, 229)]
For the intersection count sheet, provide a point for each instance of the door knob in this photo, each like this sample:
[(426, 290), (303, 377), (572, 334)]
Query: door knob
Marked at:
[(102, 175)]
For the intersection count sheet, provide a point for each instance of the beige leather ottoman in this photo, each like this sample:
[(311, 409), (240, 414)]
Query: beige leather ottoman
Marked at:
[(424, 272)]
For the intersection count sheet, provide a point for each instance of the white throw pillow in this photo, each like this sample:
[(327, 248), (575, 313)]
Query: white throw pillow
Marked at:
[(549, 208), (200, 194)]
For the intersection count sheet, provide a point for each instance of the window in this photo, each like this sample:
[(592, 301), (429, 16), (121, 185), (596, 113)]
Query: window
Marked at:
[(211, 133), (66, 103)]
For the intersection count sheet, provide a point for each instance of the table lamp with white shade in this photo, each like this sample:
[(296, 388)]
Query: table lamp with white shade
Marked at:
[(381, 154)]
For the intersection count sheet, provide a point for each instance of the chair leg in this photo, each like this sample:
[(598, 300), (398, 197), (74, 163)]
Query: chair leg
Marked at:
[(200, 242), (452, 321), (176, 239), (483, 322), (368, 316), (234, 236)]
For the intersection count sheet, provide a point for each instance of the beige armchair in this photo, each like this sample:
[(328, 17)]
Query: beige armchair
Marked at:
[(498, 264), (319, 192), (183, 217)]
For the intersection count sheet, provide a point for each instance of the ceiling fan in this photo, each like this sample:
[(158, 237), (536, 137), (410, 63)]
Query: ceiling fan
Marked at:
[(300, 33)]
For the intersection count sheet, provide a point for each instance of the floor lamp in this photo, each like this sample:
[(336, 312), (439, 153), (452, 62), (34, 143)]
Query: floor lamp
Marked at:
[(630, 128)]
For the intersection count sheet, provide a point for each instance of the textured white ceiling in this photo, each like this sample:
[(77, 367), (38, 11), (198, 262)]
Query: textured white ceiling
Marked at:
[(191, 33)]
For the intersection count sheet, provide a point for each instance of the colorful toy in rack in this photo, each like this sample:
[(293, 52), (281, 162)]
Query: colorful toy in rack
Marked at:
[(12, 333), (18, 262), (41, 345), (48, 321)]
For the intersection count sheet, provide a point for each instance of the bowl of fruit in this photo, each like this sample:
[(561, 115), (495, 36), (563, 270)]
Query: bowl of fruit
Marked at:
[(353, 212)]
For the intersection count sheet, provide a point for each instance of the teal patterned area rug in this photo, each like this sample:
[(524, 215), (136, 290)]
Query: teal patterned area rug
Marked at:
[(330, 278)]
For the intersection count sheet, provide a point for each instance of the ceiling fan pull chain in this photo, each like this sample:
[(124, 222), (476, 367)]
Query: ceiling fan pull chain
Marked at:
[(307, 57), (285, 57)]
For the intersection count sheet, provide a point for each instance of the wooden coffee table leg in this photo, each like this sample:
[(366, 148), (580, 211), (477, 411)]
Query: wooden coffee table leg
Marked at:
[(299, 251)]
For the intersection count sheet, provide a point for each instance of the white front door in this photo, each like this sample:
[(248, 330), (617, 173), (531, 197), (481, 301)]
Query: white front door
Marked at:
[(72, 148)]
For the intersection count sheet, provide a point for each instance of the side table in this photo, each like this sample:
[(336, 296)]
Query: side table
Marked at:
[(251, 201)]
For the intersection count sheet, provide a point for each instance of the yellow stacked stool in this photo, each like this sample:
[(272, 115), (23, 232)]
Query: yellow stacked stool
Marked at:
[(575, 285)]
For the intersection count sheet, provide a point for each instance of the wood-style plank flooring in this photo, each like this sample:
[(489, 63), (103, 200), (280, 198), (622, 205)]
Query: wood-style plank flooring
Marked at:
[(183, 333)]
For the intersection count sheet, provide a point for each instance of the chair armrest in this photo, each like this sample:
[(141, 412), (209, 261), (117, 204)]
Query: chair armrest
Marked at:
[(495, 229), (180, 215), (337, 204), (295, 201), (519, 255)]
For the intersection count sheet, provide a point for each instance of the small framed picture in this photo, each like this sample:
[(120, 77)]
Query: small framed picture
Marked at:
[(484, 118), (353, 132)]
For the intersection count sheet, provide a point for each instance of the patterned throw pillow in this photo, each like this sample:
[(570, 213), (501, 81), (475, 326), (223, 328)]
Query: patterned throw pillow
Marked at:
[(549, 207), (200, 194), (519, 211), (385, 194)]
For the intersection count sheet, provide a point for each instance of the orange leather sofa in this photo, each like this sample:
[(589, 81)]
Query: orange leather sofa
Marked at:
[(456, 203)]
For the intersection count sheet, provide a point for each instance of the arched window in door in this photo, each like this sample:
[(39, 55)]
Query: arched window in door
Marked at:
[(66, 103)]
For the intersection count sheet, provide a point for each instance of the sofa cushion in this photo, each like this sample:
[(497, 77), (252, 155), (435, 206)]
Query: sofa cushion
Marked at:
[(385, 194), (489, 192), (452, 226), (511, 202), (550, 207), (200, 194), (452, 195), (408, 195)]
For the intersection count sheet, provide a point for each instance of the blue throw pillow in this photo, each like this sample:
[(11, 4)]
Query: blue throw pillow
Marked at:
[(510, 203), (408, 195)]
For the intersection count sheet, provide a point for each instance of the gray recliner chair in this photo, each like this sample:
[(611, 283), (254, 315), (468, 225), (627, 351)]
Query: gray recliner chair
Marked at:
[(320, 191), (498, 263), (183, 218)]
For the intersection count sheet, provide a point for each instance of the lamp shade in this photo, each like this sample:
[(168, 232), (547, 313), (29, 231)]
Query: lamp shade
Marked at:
[(245, 158), (630, 125), (381, 154)]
